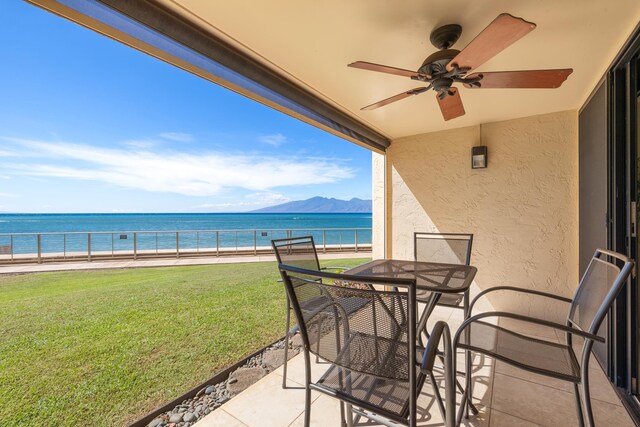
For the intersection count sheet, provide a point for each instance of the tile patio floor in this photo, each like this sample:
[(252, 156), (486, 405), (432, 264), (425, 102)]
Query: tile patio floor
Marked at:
[(505, 396)]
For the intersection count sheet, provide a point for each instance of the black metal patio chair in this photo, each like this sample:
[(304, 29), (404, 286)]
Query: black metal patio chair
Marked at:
[(377, 370), (599, 286), (300, 252), (446, 248)]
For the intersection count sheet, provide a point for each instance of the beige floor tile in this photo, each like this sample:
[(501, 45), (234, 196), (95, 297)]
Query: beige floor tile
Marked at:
[(267, 404), (532, 402), (219, 418), (600, 387), (429, 413), (481, 372), (606, 414), (296, 370), (548, 406), (325, 411), (500, 419)]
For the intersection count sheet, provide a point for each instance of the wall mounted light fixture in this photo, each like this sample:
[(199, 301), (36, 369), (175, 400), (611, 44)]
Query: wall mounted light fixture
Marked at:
[(479, 157)]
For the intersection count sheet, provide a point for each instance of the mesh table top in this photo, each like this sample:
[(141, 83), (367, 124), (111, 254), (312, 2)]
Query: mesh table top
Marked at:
[(429, 276)]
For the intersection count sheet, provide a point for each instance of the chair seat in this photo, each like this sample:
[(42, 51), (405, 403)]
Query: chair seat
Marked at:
[(391, 396), (450, 300), (532, 354)]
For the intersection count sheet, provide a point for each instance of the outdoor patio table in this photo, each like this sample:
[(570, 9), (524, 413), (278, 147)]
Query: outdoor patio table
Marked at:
[(429, 276)]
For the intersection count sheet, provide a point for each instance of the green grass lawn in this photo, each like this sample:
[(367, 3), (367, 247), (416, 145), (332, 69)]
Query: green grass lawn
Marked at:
[(102, 348)]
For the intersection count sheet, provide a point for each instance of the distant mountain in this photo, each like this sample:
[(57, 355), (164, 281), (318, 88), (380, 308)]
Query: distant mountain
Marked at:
[(320, 205)]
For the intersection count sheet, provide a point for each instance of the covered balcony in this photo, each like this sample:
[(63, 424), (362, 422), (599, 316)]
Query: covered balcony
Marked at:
[(561, 175)]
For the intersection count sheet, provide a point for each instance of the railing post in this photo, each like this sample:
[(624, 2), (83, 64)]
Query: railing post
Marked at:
[(324, 241), (135, 245), (88, 246), (255, 242), (177, 244), (356, 240), (39, 249)]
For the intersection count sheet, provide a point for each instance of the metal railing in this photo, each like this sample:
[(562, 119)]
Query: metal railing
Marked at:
[(40, 247)]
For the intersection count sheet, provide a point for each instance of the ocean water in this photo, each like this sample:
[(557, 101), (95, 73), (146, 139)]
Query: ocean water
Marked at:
[(114, 232)]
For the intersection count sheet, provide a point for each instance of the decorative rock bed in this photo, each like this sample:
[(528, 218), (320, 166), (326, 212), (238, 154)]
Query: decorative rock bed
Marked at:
[(212, 396)]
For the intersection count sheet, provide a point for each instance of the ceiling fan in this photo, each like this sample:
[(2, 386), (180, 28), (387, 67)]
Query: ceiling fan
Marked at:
[(448, 66)]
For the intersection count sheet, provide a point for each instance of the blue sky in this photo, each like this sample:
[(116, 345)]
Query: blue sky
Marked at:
[(90, 125)]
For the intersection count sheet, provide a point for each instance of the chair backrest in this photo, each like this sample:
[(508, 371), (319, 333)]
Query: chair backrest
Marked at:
[(357, 327), (446, 248), (600, 285), (296, 251)]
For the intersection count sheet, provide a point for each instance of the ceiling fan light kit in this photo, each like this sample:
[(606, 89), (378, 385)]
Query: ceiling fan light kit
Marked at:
[(445, 67)]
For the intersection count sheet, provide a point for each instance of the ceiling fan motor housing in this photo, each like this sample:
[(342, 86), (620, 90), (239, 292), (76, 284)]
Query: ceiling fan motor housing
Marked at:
[(436, 63)]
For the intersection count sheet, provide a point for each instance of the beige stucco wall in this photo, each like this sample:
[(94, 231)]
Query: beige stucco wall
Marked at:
[(378, 206), (522, 209)]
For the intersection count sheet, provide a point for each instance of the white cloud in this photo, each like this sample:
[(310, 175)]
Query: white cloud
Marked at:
[(274, 140), (140, 143), (177, 136), (267, 198), (200, 174), (9, 153), (251, 201), (8, 195)]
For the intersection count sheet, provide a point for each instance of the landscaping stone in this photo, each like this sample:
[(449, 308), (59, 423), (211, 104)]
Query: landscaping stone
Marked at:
[(273, 358), (175, 418), (212, 396), (245, 377), (296, 341)]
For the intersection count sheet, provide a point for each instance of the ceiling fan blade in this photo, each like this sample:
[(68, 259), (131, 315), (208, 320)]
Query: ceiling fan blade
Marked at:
[(497, 36), (395, 98), (451, 105), (535, 79), (386, 69)]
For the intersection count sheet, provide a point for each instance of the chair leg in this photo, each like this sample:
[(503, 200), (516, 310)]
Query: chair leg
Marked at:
[(307, 389), (437, 394), (286, 345), (468, 364), (576, 392), (422, 326), (349, 415), (343, 421), (586, 397), (424, 317)]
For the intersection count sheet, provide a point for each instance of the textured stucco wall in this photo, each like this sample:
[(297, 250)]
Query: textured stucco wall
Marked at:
[(378, 208), (522, 209)]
